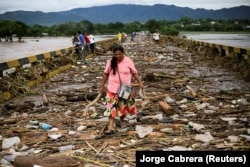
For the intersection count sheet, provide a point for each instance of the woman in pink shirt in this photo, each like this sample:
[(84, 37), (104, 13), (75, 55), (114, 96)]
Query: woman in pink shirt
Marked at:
[(115, 106)]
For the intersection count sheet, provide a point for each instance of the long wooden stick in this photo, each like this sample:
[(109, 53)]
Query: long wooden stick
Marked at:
[(85, 111)]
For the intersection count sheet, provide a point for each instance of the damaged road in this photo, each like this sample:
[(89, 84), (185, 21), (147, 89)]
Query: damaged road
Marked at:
[(193, 101)]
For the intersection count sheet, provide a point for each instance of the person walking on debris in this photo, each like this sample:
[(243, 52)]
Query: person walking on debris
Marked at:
[(86, 39), (76, 43), (119, 37), (81, 39), (133, 36), (121, 65), (92, 43), (156, 37), (124, 37)]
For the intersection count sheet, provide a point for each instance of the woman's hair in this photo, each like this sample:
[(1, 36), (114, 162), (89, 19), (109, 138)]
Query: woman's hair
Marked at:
[(113, 60), (118, 47)]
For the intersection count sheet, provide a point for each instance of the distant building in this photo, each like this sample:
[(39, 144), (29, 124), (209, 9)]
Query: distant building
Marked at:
[(45, 34), (247, 27), (236, 22), (212, 22)]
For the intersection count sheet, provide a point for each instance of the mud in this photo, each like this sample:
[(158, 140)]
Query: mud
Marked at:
[(207, 95)]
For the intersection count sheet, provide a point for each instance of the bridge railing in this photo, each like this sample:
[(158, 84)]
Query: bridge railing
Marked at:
[(223, 50)]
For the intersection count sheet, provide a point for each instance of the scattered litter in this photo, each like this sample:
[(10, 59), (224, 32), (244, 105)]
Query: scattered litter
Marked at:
[(207, 137), (143, 131)]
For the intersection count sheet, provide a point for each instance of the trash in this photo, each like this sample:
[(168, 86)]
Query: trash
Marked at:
[(72, 132), (45, 126), (167, 130), (94, 115), (185, 100), (143, 131), (65, 148), (10, 142), (31, 127), (247, 137), (201, 106), (243, 101), (55, 136), (81, 128), (177, 148), (5, 163), (233, 139), (209, 111), (12, 154), (189, 114), (169, 100), (183, 106), (68, 112), (213, 107), (196, 126), (207, 137), (228, 118), (34, 122)]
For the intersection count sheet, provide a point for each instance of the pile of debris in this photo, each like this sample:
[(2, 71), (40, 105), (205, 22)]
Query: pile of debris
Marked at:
[(190, 104)]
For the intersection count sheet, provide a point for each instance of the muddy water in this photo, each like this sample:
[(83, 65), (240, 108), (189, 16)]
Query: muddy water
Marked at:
[(33, 46), (236, 40)]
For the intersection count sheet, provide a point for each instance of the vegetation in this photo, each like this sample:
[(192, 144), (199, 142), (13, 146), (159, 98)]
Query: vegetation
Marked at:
[(10, 28)]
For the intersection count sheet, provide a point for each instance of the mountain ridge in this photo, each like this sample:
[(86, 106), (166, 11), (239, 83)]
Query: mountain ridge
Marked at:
[(124, 13)]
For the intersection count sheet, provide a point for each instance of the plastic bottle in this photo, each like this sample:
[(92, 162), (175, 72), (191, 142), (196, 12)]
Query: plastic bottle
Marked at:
[(65, 148), (45, 126)]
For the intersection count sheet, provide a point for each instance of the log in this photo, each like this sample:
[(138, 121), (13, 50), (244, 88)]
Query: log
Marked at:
[(45, 100), (150, 135), (192, 91), (9, 121), (175, 126), (165, 107)]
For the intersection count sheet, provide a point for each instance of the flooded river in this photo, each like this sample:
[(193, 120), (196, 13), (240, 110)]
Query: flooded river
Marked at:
[(236, 40), (33, 46)]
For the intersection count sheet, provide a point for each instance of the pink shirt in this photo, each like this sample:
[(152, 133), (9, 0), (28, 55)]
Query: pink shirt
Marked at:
[(126, 69)]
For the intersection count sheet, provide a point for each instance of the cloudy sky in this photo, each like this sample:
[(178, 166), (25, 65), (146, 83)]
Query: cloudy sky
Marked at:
[(62, 5)]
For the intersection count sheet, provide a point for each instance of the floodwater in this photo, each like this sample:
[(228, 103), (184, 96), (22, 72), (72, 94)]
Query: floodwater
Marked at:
[(236, 40), (33, 46)]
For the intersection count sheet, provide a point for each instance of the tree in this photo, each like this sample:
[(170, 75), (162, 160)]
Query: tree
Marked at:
[(20, 30), (9, 28), (186, 21), (85, 26), (152, 25), (35, 30), (133, 27)]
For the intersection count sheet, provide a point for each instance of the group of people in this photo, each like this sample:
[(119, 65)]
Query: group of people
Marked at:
[(122, 37), (81, 40)]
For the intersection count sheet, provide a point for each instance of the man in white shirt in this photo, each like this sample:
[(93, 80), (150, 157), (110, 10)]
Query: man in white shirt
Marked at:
[(92, 43)]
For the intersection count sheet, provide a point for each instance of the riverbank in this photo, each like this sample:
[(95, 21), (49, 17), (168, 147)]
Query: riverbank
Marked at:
[(209, 110)]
